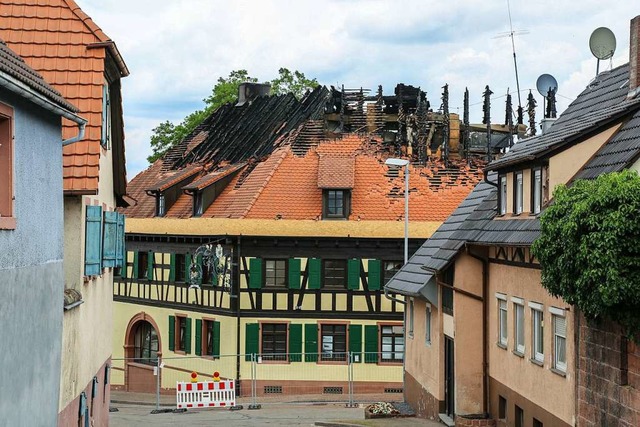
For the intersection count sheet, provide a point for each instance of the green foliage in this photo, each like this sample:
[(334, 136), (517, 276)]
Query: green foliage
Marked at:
[(166, 134), (589, 247)]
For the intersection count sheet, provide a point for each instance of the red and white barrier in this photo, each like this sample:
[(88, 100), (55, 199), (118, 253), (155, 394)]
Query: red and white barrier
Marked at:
[(208, 394)]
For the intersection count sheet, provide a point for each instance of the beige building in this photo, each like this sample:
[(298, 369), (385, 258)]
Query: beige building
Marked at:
[(485, 340)]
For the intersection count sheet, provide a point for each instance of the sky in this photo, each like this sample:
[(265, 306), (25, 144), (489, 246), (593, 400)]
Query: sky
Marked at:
[(177, 49)]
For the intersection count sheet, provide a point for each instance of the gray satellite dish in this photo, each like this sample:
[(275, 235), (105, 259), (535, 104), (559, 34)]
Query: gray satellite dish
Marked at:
[(546, 82), (602, 43)]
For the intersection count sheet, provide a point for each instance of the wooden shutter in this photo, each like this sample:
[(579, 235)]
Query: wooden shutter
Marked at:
[(255, 273), (371, 343), (93, 241), (199, 262), (373, 272), (294, 273), (353, 279), (110, 239), (172, 333), (252, 333), (187, 336), (172, 269), (198, 337), (355, 342), (295, 343), (315, 268), (150, 259), (120, 251), (216, 339), (311, 342)]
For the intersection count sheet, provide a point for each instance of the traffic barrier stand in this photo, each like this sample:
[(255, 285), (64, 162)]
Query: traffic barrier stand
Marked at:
[(207, 394)]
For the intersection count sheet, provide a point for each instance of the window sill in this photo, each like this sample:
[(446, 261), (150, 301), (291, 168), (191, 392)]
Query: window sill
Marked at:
[(180, 352), (557, 371), (7, 223), (537, 362), (390, 363), (332, 362), (518, 353), (502, 346)]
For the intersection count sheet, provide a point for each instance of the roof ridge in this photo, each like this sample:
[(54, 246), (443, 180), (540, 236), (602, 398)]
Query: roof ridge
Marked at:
[(285, 150), (87, 21)]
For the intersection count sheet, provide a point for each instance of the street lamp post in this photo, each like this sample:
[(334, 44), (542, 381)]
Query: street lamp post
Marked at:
[(399, 163)]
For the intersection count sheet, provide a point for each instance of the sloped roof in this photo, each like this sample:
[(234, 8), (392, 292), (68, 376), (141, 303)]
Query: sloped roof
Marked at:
[(602, 102), (14, 66), (57, 39)]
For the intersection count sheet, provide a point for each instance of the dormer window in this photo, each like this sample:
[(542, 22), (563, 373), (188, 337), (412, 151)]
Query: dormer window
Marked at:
[(536, 191), (336, 204), (517, 193), (503, 195), (197, 203), (160, 205)]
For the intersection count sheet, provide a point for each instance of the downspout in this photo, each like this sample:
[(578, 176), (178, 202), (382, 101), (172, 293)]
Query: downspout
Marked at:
[(238, 263), (486, 178), (485, 295), (78, 137)]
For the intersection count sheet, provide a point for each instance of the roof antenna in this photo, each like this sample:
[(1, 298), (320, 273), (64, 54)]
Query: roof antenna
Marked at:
[(602, 44), (511, 34)]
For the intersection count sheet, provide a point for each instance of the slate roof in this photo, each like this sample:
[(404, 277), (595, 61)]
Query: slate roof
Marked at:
[(602, 102), (14, 66), (57, 39)]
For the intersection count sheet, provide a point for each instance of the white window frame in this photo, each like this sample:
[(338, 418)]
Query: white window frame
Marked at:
[(427, 325), (410, 316), (537, 331), (560, 365), (161, 205), (503, 195), (537, 191), (502, 320), (518, 205), (518, 325)]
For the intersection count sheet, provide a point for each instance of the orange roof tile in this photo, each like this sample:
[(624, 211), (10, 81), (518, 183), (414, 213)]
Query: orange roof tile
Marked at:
[(57, 39), (336, 171)]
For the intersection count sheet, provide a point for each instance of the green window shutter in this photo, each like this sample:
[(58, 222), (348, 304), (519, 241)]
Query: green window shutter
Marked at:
[(315, 267), (172, 268), (172, 333), (216, 339), (93, 241), (198, 337), (255, 273), (294, 273), (134, 273), (353, 268), (355, 342), (187, 268), (295, 343), (150, 265), (120, 251), (199, 262), (371, 344), (374, 270), (311, 342), (252, 333), (187, 337), (109, 239)]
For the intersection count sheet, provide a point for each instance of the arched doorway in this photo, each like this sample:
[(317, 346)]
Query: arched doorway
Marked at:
[(142, 350)]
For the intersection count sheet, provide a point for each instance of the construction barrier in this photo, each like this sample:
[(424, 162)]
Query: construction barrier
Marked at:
[(208, 394)]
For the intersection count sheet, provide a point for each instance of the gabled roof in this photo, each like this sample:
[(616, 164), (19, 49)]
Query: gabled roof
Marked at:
[(601, 103)]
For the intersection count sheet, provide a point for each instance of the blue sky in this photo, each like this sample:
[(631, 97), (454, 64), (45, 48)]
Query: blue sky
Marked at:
[(177, 49)]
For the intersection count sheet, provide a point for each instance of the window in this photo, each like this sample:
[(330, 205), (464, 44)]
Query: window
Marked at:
[(427, 325), (518, 325), (274, 341), (410, 316), (197, 203), (447, 300), (537, 332), (209, 333), (560, 343), (105, 138), (503, 195), (143, 264), (519, 417), (390, 269), (517, 193), (334, 342), (537, 423), (7, 220), (392, 343), (145, 343), (181, 268), (334, 273), (502, 407), (275, 272), (160, 205), (502, 322), (181, 337), (336, 204), (536, 202)]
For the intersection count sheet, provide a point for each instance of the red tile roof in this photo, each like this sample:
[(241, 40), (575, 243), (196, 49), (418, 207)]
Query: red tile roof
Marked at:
[(57, 39), (336, 171)]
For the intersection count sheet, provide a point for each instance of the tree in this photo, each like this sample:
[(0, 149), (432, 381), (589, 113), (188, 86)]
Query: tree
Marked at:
[(166, 134), (589, 247)]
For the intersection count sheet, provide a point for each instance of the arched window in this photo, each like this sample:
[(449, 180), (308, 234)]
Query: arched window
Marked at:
[(145, 343)]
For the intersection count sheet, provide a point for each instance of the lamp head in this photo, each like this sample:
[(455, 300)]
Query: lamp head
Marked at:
[(396, 162)]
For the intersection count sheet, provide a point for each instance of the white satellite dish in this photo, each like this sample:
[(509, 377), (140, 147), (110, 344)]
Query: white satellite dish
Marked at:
[(602, 44)]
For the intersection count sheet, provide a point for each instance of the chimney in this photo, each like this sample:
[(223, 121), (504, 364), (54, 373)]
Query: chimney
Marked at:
[(634, 58), (247, 92)]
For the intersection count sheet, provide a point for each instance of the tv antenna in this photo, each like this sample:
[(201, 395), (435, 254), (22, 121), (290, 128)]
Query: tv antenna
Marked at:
[(511, 34), (602, 44), (546, 84)]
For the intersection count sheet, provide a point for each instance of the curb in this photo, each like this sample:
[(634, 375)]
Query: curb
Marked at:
[(335, 424)]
